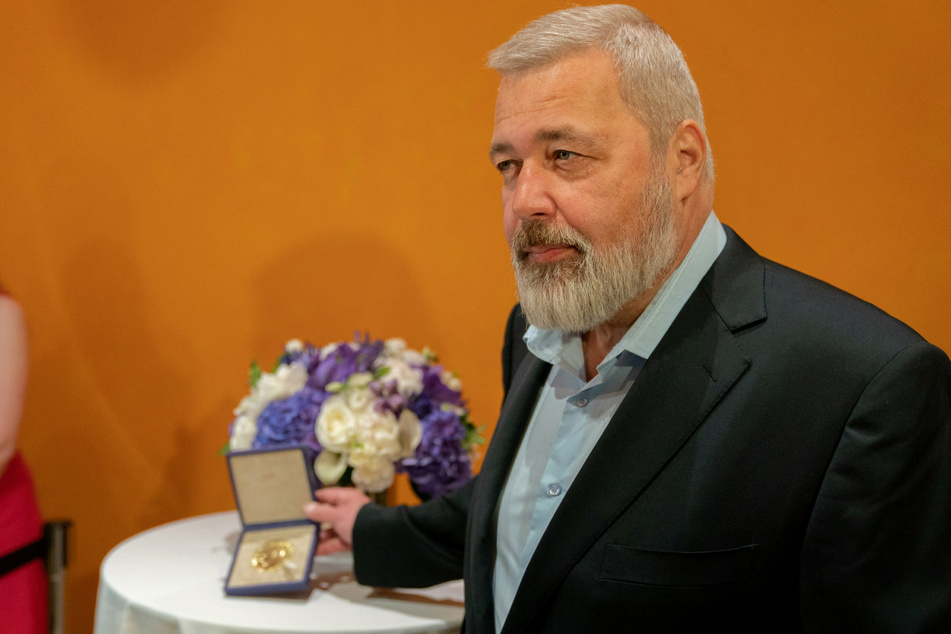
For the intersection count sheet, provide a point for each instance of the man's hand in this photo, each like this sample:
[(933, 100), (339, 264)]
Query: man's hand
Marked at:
[(337, 507)]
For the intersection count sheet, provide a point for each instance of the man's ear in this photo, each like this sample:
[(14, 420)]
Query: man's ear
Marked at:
[(686, 159)]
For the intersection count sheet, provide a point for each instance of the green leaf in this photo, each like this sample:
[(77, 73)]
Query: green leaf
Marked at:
[(255, 374), (381, 372), (224, 450), (335, 386), (473, 435)]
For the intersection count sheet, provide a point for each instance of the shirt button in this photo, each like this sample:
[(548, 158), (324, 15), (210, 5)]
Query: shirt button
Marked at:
[(554, 489), (581, 402)]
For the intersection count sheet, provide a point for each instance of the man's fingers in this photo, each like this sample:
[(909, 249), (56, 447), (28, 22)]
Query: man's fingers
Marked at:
[(331, 546), (320, 513), (339, 495), (337, 507), (331, 495)]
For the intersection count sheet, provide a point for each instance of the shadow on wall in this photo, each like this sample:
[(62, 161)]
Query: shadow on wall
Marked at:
[(138, 41), (338, 285), (125, 458)]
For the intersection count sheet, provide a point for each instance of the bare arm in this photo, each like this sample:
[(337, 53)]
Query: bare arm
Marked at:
[(13, 370)]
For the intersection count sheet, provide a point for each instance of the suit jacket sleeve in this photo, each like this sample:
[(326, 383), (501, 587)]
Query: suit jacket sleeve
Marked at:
[(877, 551), (413, 547)]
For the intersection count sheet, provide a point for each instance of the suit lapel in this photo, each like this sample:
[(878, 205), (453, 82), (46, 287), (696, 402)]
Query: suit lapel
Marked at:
[(481, 539), (693, 367)]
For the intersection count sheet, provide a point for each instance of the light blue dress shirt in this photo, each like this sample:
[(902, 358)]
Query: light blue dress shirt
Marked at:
[(571, 413)]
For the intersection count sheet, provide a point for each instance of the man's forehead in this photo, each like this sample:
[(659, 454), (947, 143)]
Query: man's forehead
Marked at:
[(574, 91), (590, 69), (584, 120)]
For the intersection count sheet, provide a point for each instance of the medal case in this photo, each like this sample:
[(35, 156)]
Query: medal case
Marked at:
[(275, 552)]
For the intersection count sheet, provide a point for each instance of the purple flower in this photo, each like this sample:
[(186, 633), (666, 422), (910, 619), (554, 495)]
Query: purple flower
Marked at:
[(388, 396), (440, 464), (303, 356), (290, 421), (327, 371), (437, 390), (345, 360)]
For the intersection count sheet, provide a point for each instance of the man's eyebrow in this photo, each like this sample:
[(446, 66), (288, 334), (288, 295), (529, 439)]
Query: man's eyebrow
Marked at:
[(564, 134), (499, 148), (545, 136)]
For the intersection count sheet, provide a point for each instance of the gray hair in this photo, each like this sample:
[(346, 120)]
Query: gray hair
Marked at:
[(652, 74)]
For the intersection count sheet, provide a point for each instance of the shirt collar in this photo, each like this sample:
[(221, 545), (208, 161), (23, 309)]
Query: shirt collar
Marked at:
[(564, 349)]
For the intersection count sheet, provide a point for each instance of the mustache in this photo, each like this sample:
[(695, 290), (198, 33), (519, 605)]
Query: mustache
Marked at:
[(536, 233)]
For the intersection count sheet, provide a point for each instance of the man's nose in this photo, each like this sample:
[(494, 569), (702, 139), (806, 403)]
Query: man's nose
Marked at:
[(531, 198)]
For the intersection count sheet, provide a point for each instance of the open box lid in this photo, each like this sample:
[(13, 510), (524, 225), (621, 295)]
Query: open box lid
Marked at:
[(271, 486)]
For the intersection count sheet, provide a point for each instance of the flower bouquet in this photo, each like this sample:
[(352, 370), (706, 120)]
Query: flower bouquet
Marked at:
[(365, 410)]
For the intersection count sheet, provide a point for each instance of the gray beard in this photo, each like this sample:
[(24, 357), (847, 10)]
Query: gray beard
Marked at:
[(582, 291)]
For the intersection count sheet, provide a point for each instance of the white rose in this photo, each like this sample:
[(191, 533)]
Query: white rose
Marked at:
[(358, 399), (409, 380), (415, 357), (410, 433), (451, 381), (328, 350), (335, 425), (330, 467), (294, 345), (288, 380), (378, 435), (394, 347), (243, 432), (251, 406), (373, 476)]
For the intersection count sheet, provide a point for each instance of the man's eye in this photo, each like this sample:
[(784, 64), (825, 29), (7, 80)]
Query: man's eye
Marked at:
[(564, 155), (503, 166)]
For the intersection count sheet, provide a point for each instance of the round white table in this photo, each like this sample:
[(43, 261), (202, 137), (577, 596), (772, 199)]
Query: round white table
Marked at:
[(171, 579)]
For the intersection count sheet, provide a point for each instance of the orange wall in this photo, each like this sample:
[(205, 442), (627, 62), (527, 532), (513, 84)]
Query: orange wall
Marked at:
[(185, 186)]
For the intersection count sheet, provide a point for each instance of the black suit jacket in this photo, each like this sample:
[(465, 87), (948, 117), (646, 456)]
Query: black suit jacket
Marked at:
[(781, 464)]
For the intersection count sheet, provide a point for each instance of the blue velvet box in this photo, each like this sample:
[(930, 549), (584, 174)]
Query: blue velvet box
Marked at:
[(275, 552)]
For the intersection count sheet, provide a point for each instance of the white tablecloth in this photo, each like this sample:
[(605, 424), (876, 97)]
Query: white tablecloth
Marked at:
[(170, 579)]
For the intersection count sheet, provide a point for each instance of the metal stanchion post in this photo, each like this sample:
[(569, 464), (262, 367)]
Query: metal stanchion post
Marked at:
[(55, 533)]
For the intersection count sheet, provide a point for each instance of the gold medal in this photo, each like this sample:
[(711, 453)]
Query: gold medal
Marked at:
[(273, 555)]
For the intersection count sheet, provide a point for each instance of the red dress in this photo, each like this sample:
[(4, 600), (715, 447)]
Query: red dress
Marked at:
[(23, 590)]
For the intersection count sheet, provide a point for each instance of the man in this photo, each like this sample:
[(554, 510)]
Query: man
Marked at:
[(693, 438)]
